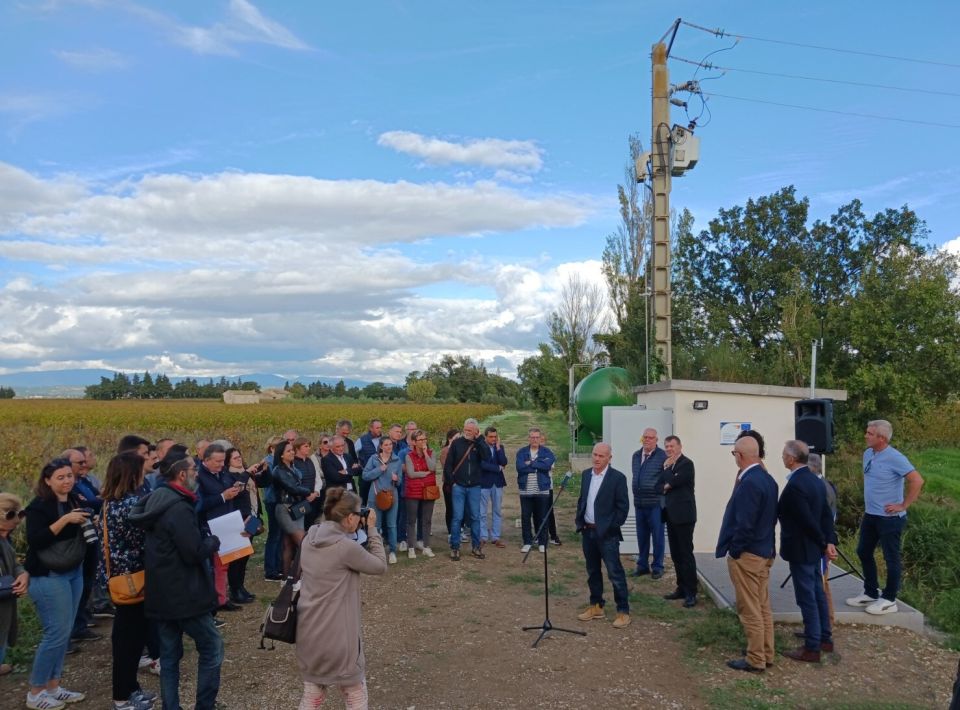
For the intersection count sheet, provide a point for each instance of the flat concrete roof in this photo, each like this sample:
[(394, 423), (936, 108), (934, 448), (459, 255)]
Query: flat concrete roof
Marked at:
[(740, 388)]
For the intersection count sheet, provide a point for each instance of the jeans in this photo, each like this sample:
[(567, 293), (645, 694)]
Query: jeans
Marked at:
[(401, 523), (650, 524), (608, 550), (272, 551), (490, 495), (468, 497), (533, 507), (808, 591), (56, 598), (386, 519), (209, 645), (886, 531)]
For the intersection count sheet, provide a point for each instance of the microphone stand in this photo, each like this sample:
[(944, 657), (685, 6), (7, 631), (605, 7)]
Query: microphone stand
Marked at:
[(547, 625)]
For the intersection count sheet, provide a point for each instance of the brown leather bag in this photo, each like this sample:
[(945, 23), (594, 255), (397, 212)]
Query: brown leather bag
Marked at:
[(383, 499), (431, 492), (125, 589)]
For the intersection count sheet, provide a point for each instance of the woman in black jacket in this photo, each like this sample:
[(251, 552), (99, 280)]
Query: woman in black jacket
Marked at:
[(54, 520), (248, 503), (288, 490)]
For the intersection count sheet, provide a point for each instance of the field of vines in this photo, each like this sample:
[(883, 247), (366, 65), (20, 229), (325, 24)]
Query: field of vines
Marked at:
[(33, 431)]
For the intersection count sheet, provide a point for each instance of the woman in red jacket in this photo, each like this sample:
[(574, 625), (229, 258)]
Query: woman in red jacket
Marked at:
[(420, 474)]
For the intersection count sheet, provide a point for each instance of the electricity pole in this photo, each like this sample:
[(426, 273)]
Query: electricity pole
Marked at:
[(660, 163)]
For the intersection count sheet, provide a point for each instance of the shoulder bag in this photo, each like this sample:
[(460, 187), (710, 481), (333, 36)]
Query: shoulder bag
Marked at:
[(299, 509), (64, 555), (125, 589), (280, 621), (383, 499)]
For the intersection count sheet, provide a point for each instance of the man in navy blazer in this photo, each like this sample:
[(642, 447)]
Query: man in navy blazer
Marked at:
[(647, 465), (601, 510), (806, 534), (747, 541), (680, 513)]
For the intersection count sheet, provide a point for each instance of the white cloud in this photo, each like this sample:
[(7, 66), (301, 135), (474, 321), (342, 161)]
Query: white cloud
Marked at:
[(94, 60), (512, 156), (952, 246)]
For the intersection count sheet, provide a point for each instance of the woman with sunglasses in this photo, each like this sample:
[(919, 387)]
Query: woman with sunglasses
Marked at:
[(122, 489), (329, 638), (54, 516), (11, 513)]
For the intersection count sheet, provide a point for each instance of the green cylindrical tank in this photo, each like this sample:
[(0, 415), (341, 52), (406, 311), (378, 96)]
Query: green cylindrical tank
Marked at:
[(606, 387)]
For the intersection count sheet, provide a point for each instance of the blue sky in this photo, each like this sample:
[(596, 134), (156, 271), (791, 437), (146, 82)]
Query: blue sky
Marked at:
[(342, 190)]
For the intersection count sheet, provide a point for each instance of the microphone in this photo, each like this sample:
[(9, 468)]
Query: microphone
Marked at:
[(566, 479)]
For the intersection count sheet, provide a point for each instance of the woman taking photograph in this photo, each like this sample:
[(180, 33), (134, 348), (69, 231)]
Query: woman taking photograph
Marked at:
[(125, 543), (419, 474), (248, 503), (385, 470), (287, 491), (54, 520), (11, 513), (329, 641)]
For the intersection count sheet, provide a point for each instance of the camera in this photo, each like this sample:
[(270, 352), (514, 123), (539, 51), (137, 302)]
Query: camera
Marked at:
[(364, 514), (87, 530)]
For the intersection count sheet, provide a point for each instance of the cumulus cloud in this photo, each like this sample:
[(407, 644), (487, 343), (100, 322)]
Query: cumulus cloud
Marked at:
[(240, 272), (513, 157)]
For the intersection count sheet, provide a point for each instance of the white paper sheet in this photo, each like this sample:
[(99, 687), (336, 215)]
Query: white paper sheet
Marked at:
[(229, 529)]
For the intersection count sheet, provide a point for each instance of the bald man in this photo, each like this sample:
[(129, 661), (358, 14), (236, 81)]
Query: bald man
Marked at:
[(601, 510), (747, 541)]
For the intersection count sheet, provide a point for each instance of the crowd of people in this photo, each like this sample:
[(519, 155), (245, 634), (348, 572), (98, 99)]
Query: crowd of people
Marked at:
[(90, 542)]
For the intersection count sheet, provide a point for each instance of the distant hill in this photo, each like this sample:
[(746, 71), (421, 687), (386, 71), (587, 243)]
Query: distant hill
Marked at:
[(71, 383)]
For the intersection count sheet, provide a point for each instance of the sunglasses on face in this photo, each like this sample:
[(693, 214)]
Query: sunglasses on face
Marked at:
[(11, 514)]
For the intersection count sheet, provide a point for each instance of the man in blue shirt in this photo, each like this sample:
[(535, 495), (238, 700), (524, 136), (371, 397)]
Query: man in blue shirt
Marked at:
[(884, 472)]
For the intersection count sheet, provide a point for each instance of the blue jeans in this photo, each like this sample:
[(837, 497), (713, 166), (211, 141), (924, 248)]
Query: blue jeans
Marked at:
[(387, 519), (56, 598), (886, 531), (608, 550), (272, 551), (490, 495), (808, 591), (468, 497), (650, 524), (209, 645)]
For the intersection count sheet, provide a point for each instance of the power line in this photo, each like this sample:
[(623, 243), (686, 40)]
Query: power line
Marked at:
[(710, 67), (722, 33), (834, 111)]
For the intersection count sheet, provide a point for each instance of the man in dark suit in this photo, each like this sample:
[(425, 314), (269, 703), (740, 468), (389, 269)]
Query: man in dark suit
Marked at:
[(337, 465), (680, 512), (806, 534), (647, 465), (747, 541), (601, 510), (216, 489)]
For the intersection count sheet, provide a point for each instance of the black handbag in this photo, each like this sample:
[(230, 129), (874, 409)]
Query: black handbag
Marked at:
[(6, 587), (63, 555), (298, 510), (280, 621)]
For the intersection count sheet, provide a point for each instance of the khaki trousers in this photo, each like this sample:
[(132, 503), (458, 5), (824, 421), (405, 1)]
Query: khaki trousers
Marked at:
[(751, 580)]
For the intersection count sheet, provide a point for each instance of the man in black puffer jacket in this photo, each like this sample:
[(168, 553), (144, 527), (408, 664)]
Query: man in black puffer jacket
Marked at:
[(179, 593)]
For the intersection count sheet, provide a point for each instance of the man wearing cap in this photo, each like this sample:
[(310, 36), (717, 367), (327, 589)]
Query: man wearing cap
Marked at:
[(647, 467)]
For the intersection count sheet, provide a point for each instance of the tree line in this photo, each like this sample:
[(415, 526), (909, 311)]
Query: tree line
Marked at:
[(7, 393), (124, 386), (755, 288)]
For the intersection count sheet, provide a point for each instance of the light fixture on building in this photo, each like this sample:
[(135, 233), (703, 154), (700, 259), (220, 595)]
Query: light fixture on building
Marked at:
[(700, 404)]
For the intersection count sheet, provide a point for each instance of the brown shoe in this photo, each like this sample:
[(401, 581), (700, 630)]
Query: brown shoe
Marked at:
[(499, 543), (803, 654), (826, 647), (621, 620), (591, 612)]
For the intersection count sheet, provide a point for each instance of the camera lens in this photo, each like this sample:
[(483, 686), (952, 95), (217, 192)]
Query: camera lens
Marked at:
[(89, 533)]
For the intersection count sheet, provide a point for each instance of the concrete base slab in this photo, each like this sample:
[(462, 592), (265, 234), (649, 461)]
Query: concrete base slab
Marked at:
[(715, 579)]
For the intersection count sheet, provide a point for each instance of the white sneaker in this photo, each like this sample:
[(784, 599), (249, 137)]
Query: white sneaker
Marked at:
[(525, 549), (420, 544), (882, 606), (402, 547), (427, 552), (66, 696), (411, 554), (43, 701), (540, 548), (145, 662), (392, 558), (861, 600)]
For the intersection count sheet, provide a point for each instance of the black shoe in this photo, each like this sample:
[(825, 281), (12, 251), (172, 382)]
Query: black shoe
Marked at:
[(478, 553), (740, 664), (239, 598), (247, 593), (640, 572), (744, 652), (274, 577), (656, 575), (229, 606), (104, 612), (555, 541), (73, 648), (675, 595), (690, 602), (85, 635)]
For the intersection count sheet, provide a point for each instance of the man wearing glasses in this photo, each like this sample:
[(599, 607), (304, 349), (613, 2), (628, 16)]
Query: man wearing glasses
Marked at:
[(747, 541)]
